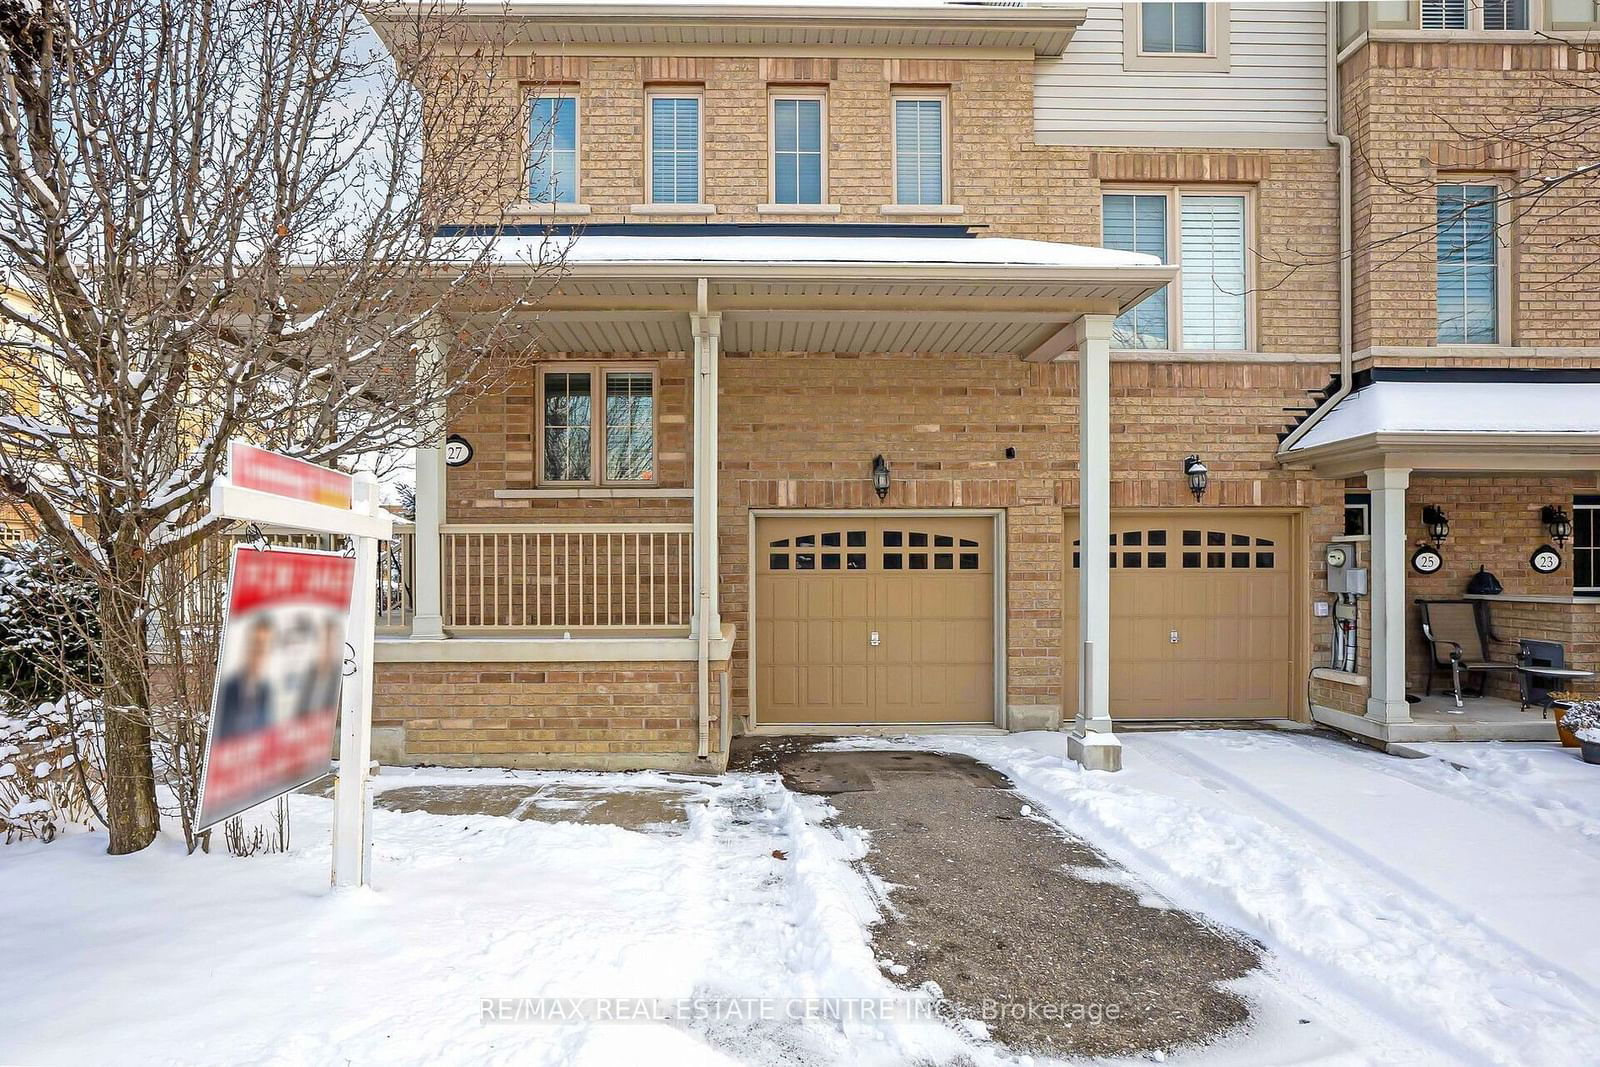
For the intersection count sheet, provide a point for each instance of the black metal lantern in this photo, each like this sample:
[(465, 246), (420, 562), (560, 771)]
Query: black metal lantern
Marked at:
[(880, 476), (1437, 522), (1199, 477), (1559, 522)]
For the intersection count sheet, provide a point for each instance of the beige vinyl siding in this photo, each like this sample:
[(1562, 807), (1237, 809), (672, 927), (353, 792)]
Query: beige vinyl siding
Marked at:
[(1273, 94)]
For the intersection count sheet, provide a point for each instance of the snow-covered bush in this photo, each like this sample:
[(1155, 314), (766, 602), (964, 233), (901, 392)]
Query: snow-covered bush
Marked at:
[(49, 611), (49, 769)]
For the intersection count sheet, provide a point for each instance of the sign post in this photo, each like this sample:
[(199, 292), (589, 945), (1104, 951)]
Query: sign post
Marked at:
[(266, 487)]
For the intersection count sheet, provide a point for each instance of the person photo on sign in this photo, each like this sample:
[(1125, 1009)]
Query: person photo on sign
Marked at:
[(319, 689), (245, 700)]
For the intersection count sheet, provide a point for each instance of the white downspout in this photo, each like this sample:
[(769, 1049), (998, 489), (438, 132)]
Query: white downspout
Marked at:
[(1346, 285)]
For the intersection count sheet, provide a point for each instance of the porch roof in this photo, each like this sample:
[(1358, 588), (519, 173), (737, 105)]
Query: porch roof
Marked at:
[(1445, 419), (832, 293)]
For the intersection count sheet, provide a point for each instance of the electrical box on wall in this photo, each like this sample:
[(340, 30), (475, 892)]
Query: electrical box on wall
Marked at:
[(1345, 574)]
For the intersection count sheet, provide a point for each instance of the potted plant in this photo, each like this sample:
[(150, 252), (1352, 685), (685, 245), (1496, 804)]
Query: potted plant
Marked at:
[(1582, 718), (1559, 703)]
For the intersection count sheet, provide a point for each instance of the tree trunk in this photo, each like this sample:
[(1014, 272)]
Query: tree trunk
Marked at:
[(130, 768)]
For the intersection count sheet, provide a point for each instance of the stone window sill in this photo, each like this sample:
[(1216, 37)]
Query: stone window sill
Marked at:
[(673, 209), (547, 209), (797, 209), (921, 209)]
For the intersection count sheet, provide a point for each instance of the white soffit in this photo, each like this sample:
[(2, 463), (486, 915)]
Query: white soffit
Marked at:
[(1045, 29)]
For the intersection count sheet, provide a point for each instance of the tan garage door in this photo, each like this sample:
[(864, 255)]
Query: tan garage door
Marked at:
[(825, 586), (1201, 617)]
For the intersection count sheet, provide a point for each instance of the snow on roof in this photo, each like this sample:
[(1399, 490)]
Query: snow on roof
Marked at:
[(784, 250), (1487, 407)]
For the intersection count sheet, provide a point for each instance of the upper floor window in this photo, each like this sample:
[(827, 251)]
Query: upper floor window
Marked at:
[(798, 128), (1586, 545), (553, 151), (674, 143), (1468, 281), (578, 437), (1572, 14), (1173, 29), (919, 149), (1446, 15), (1208, 229)]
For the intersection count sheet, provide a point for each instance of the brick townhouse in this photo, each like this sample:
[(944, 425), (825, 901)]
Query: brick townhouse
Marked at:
[(876, 315)]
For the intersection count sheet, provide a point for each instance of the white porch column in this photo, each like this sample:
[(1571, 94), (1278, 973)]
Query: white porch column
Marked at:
[(707, 622), (1387, 658), (427, 618), (1092, 742)]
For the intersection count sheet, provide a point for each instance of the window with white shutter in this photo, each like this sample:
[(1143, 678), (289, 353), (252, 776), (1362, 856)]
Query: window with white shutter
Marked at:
[(919, 150), (1204, 231), (1211, 256), (674, 149), (1444, 14)]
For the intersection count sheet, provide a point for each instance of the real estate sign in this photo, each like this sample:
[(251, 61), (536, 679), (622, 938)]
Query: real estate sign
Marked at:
[(275, 706)]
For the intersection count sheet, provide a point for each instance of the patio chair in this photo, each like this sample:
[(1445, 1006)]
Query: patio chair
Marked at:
[(1458, 639)]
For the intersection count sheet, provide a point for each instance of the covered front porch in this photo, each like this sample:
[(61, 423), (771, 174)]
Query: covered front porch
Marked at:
[(1461, 469), (632, 575)]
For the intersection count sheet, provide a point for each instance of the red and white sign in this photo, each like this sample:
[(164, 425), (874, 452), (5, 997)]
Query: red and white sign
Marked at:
[(250, 467), (275, 706)]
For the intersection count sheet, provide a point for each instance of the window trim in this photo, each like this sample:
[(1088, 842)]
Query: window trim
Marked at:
[(1505, 261), (597, 372), (1591, 503), (674, 93), (1174, 195), (945, 193), (1216, 59), (562, 93), (774, 94)]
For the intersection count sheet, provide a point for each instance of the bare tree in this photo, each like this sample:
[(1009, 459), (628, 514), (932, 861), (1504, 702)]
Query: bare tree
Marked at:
[(217, 222)]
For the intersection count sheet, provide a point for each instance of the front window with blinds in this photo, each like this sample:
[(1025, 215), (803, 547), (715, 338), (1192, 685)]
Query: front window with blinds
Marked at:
[(553, 151), (580, 439), (919, 150), (1444, 14), (1205, 234), (674, 149), (1173, 29), (1468, 280), (797, 132), (1137, 222), (1586, 545)]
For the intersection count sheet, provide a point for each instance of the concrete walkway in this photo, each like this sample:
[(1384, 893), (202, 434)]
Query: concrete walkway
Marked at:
[(1021, 924)]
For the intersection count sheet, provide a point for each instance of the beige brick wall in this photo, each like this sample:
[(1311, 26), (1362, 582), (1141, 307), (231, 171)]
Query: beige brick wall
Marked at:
[(1007, 185), (1420, 113), (944, 422), (598, 715)]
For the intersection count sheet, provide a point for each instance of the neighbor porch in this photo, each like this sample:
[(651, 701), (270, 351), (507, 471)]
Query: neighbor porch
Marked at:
[(1458, 470)]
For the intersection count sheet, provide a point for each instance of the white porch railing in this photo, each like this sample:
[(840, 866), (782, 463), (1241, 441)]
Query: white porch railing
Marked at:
[(571, 576)]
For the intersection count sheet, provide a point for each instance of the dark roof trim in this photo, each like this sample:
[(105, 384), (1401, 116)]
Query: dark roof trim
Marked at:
[(711, 229), (1559, 375)]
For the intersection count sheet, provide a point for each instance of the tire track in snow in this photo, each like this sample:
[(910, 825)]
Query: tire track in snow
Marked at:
[(1477, 950)]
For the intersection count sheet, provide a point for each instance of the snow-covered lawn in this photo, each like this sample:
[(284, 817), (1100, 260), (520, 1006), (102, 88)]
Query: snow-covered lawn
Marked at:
[(1433, 914)]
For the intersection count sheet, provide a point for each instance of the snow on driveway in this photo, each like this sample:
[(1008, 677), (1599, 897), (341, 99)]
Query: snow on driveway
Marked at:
[(158, 957), (1426, 911), (1451, 897)]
